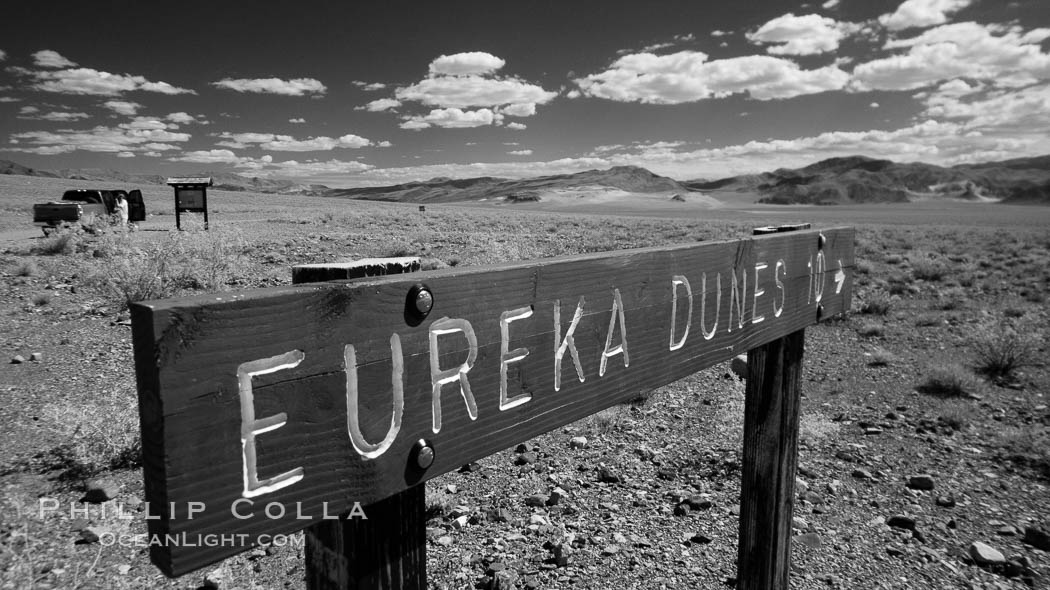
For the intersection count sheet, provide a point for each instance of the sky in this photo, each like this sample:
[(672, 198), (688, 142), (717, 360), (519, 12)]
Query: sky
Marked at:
[(374, 93)]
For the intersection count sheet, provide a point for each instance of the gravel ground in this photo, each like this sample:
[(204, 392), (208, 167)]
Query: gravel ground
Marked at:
[(896, 489)]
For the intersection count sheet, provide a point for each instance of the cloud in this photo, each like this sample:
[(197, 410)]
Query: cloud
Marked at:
[(122, 107), (287, 143), (687, 76), (1004, 56), (873, 105), (183, 118), (297, 120), (451, 118), (1011, 113), (131, 136), (208, 157), (830, 4), (519, 110), (9, 99), (296, 87), (87, 81), (125, 154), (379, 105), (462, 90), (810, 34), (369, 85), (516, 126), (718, 33), (921, 13), (520, 152), (58, 116), (473, 91), (3, 55), (46, 58), (463, 64)]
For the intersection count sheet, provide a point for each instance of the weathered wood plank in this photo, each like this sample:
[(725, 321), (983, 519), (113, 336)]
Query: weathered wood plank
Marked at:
[(513, 329), (771, 418)]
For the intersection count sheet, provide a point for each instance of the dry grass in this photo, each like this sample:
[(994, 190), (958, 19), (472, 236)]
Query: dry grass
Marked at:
[(192, 260), (949, 381), (101, 433), (1001, 350)]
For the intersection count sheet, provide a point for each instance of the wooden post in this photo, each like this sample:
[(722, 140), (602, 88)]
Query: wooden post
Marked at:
[(386, 548), (771, 418)]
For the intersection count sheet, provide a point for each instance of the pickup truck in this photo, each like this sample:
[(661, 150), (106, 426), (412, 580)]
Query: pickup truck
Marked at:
[(80, 204)]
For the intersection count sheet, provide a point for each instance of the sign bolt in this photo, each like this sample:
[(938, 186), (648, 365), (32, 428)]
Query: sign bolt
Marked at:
[(424, 301), (424, 453), (418, 303), (821, 241), (820, 312)]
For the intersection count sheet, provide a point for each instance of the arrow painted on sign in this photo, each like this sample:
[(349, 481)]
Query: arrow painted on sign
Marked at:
[(840, 278)]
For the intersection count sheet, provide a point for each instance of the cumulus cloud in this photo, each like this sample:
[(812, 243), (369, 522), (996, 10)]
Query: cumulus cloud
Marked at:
[(1012, 112), (687, 76), (87, 81), (208, 157), (921, 13), (1004, 56), (516, 126), (520, 152), (473, 91), (131, 136), (183, 118), (59, 116), (452, 118), (519, 110), (3, 55), (123, 107), (830, 4), (47, 58), (809, 34), (379, 105), (369, 85), (463, 90), (287, 143), (296, 87), (297, 120), (463, 64)]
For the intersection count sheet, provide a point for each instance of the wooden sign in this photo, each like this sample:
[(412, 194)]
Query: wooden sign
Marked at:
[(267, 411)]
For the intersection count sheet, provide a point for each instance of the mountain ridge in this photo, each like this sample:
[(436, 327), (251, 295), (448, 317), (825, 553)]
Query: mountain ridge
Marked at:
[(220, 180), (832, 181)]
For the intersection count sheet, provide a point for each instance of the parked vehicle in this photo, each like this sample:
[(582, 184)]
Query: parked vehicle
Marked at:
[(80, 206)]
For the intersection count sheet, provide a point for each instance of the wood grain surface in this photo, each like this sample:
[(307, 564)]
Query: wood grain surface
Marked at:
[(474, 376)]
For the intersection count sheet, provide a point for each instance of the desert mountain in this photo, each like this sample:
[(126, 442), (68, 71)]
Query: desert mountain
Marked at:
[(629, 179), (858, 179), (221, 180), (9, 167)]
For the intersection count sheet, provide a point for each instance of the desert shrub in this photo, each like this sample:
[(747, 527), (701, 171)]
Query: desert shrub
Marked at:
[(864, 267), (927, 319), (41, 299), (27, 269), (101, 433), (928, 269), (1028, 447), (949, 381), (1001, 350), (880, 357), (184, 261), (61, 242), (878, 303), (956, 415), (871, 330), (894, 259), (605, 420)]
